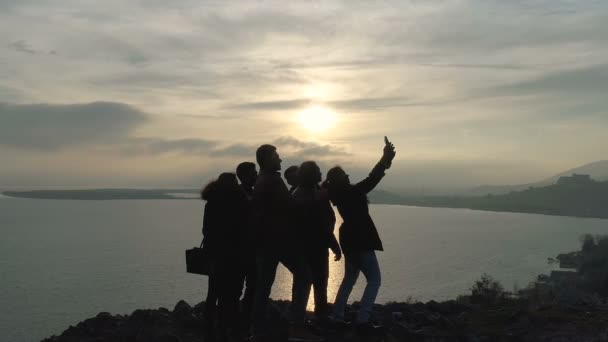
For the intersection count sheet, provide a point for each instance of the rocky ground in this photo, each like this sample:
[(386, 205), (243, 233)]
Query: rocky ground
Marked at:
[(563, 306), (432, 321)]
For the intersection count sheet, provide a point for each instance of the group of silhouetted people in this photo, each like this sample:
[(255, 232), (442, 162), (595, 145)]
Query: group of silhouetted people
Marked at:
[(251, 227)]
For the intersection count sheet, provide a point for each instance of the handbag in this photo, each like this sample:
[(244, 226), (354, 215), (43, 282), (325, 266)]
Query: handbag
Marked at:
[(198, 260)]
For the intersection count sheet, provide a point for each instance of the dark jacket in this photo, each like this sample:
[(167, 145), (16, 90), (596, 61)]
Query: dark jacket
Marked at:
[(248, 191), (273, 209), (249, 225), (225, 222), (358, 233), (315, 220)]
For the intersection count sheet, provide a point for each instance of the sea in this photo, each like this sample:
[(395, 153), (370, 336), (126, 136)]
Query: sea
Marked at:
[(62, 261)]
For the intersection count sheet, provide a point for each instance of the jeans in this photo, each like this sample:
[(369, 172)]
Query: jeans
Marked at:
[(266, 267), (367, 263)]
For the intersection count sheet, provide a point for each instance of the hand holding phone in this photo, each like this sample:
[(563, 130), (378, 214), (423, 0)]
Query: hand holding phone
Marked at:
[(389, 152)]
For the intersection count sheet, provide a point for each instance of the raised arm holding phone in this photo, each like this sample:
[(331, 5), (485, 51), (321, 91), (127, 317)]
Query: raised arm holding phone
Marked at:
[(359, 237)]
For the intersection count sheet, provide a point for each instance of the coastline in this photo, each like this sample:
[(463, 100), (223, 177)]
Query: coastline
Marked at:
[(189, 194), (562, 306), (424, 322)]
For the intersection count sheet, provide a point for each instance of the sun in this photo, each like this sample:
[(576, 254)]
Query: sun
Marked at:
[(317, 119)]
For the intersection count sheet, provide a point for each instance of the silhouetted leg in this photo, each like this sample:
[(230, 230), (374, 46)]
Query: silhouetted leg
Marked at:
[(319, 267), (248, 298), (351, 273), (210, 308), (371, 271), (230, 285), (266, 269), (300, 289)]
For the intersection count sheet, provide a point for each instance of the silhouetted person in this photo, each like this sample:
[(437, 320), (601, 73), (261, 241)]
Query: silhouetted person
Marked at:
[(359, 238), (316, 221), (224, 238), (274, 210), (247, 174), (291, 176)]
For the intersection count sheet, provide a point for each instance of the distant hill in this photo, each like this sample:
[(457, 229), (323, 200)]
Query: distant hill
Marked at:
[(105, 194), (385, 197), (578, 196), (376, 196), (597, 170)]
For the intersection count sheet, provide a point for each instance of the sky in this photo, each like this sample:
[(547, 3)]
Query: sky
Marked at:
[(170, 93)]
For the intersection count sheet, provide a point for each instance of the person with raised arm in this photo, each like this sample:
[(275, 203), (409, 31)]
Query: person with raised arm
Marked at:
[(359, 237)]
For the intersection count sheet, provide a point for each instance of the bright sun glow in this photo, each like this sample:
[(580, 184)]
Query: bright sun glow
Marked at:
[(317, 119)]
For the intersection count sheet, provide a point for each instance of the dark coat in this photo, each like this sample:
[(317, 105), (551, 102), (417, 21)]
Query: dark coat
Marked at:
[(358, 233), (315, 220), (249, 225), (273, 209), (225, 222)]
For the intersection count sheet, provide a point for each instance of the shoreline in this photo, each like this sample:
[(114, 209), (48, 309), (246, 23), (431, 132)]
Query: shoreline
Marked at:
[(554, 308), (171, 194), (448, 321)]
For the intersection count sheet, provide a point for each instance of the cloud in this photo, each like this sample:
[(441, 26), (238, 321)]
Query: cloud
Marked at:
[(234, 74), (287, 146), (106, 124), (310, 148), (235, 150), (376, 103), (25, 47), (272, 105), (51, 127), (357, 104), (148, 146), (571, 95), (320, 151), (591, 80), (294, 142), (22, 46)]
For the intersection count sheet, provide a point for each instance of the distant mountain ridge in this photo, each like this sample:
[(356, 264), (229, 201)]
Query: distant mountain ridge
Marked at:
[(598, 170)]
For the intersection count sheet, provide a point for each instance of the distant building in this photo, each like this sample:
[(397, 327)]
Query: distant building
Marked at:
[(574, 179)]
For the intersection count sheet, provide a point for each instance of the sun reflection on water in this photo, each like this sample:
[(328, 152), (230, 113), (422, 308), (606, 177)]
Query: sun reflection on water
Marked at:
[(283, 281)]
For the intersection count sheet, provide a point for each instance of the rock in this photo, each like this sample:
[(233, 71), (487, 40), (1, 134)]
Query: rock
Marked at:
[(418, 307), (397, 316), (198, 310), (104, 315), (166, 337), (432, 322), (147, 317), (182, 309), (570, 260), (445, 322), (433, 306)]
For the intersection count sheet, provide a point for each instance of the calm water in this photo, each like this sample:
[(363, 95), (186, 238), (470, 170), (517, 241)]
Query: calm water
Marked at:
[(64, 261)]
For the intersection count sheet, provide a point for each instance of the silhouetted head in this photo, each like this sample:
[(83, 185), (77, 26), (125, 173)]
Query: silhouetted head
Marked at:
[(336, 177), (247, 173), (225, 185), (227, 179), (309, 174), (268, 158), (291, 175)]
